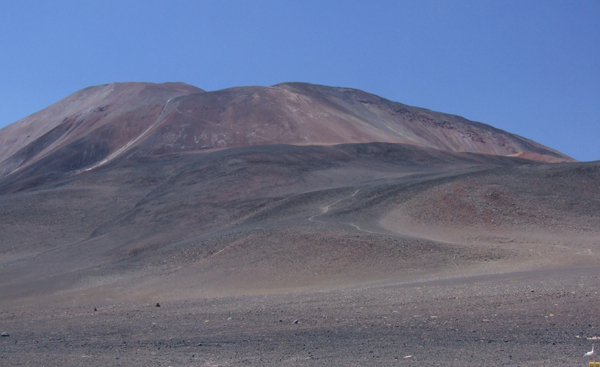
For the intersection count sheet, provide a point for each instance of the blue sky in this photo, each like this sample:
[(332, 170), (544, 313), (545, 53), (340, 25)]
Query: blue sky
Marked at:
[(528, 67)]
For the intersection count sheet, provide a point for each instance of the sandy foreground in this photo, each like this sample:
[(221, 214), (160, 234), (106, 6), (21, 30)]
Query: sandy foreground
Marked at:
[(535, 318)]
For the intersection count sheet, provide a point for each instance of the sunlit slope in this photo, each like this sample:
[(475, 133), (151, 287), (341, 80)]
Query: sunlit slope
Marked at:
[(99, 124)]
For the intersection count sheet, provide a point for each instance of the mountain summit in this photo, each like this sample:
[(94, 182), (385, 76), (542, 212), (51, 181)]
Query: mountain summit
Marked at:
[(98, 124)]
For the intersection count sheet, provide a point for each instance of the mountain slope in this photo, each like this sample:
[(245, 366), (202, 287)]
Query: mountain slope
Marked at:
[(163, 187), (98, 124), (343, 227), (87, 126), (267, 218)]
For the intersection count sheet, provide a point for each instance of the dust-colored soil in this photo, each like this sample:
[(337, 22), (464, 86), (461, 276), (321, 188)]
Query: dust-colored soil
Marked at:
[(537, 318), (380, 251)]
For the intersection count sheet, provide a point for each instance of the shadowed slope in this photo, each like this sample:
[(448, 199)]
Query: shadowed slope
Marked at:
[(271, 218)]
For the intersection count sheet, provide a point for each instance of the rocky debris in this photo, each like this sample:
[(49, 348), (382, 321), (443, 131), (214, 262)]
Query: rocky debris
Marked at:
[(517, 332), (4, 335)]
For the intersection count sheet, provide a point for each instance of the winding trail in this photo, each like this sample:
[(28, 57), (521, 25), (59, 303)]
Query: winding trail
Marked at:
[(360, 229), (325, 209)]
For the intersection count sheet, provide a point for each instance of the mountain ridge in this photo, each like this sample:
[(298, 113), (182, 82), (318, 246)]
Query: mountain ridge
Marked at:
[(97, 124)]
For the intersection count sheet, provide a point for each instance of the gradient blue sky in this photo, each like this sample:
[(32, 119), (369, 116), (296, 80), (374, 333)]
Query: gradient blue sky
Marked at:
[(528, 67)]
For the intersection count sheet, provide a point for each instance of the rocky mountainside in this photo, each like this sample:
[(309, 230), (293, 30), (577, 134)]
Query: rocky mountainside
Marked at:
[(289, 225), (99, 124), (118, 179)]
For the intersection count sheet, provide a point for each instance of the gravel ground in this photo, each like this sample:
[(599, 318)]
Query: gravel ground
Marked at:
[(536, 318)]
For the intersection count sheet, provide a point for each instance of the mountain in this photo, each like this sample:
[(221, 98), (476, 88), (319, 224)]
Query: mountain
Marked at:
[(166, 186), (99, 124), (289, 225)]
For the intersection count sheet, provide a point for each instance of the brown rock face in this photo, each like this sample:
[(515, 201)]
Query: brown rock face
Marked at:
[(99, 124), (87, 126)]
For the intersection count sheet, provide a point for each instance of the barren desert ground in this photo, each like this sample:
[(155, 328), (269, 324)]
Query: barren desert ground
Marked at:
[(529, 318)]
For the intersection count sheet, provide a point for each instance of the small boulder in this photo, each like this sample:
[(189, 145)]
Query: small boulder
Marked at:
[(4, 335)]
